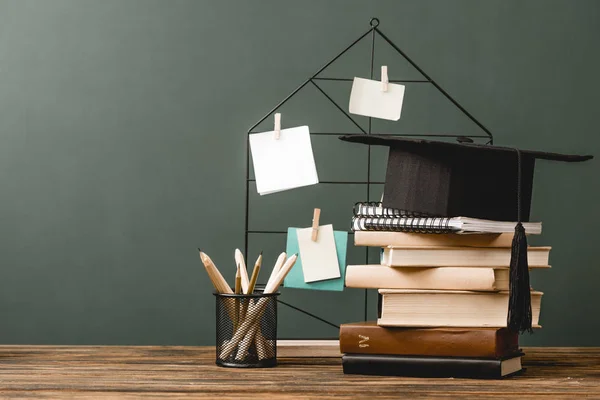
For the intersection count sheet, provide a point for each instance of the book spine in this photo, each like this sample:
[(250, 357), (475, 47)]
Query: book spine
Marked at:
[(435, 367), (450, 278), (373, 339)]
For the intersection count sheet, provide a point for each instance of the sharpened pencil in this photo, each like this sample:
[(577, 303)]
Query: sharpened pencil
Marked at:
[(215, 276), (238, 281), (255, 273)]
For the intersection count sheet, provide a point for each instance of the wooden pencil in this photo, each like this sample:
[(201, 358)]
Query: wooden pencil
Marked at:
[(278, 264), (281, 274), (219, 283), (243, 336), (259, 340), (251, 285), (238, 290), (255, 273), (239, 259), (215, 276), (238, 281)]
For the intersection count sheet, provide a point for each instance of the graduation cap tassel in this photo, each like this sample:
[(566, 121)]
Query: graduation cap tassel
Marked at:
[(519, 303)]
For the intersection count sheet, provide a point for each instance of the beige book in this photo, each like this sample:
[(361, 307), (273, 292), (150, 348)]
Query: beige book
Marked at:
[(444, 278), (459, 257), (437, 308), (308, 348), (402, 239), (438, 278)]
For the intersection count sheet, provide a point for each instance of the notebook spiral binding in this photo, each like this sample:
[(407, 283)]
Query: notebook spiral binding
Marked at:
[(402, 224), (376, 209), (372, 216)]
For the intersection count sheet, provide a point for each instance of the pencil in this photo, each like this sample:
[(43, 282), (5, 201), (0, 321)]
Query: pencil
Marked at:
[(215, 276), (238, 281), (238, 290), (244, 334), (259, 340), (218, 282), (239, 259), (255, 273), (278, 264), (251, 286), (281, 274)]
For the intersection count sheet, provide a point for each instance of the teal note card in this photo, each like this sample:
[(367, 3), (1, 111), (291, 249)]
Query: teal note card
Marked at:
[(295, 278)]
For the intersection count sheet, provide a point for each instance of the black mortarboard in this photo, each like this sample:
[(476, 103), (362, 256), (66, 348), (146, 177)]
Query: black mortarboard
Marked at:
[(470, 180), (457, 179)]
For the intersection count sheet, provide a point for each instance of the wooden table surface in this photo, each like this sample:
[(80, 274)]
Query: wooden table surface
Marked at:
[(124, 372)]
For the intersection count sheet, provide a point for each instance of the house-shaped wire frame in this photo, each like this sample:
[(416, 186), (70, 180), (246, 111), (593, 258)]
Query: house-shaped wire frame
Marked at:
[(314, 81)]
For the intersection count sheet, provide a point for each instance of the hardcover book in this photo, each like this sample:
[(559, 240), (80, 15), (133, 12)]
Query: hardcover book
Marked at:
[(369, 338), (440, 278), (430, 367), (443, 308)]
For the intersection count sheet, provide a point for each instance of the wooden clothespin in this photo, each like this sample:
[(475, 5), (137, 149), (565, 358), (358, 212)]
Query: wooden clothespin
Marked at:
[(384, 78), (315, 224), (277, 125)]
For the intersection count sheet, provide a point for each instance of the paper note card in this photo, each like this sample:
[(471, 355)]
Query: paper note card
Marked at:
[(319, 258), (367, 98), (284, 163), (295, 278)]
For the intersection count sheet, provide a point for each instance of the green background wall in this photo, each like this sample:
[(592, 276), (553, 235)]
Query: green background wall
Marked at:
[(122, 149)]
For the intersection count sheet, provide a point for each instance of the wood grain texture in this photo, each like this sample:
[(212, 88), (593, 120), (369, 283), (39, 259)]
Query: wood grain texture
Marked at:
[(128, 372)]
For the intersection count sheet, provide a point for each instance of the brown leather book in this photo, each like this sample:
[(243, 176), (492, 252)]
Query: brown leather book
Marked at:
[(368, 338)]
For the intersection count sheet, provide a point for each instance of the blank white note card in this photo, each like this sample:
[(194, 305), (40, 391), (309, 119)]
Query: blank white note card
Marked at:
[(284, 163), (367, 98), (319, 258)]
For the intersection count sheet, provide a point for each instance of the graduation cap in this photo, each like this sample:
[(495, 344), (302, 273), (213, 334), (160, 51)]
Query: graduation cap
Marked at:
[(449, 179)]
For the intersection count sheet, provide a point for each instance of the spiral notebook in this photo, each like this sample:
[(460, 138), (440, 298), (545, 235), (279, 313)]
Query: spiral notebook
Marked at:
[(376, 209), (375, 217)]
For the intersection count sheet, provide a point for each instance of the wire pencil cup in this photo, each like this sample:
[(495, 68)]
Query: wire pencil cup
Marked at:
[(246, 330)]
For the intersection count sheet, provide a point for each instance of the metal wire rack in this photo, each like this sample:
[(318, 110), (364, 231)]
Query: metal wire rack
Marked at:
[(314, 82)]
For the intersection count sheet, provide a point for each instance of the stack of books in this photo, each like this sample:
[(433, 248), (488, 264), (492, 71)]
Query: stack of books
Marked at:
[(443, 296)]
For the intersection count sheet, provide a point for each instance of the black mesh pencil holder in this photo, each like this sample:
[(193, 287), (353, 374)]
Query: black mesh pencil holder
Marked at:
[(246, 330)]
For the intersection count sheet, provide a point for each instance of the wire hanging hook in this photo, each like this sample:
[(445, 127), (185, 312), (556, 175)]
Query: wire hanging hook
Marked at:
[(374, 22)]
